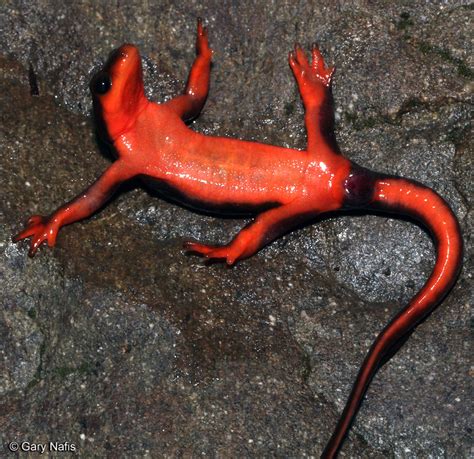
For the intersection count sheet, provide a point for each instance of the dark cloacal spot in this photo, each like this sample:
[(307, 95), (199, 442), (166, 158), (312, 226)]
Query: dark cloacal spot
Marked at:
[(359, 187), (33, 80)]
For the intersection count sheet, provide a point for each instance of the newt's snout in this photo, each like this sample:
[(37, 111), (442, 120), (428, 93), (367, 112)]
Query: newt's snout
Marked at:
[(118, 89), (124, 59), (121, 75), (122, 64)]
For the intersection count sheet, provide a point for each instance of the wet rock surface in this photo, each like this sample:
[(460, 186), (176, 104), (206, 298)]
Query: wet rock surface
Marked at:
[(119, 343)]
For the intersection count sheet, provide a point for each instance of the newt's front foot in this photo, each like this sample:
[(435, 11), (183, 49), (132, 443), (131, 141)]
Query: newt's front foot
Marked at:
[(310, 77), (40, 229), (202, 41)]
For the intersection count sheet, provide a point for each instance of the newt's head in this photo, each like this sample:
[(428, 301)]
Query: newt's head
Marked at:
[(118, 91)]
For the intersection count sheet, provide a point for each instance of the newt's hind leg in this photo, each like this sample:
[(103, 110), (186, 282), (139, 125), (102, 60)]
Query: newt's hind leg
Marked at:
[(314, 83), (189, 105), (267, 227)]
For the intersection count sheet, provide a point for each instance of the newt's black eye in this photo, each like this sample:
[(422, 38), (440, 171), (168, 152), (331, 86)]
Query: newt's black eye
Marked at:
[(102, 83)]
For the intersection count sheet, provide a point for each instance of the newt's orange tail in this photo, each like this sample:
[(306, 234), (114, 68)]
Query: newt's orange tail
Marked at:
[(415, 200)]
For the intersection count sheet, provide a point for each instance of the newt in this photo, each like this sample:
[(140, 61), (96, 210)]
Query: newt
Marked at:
[(282, 187)]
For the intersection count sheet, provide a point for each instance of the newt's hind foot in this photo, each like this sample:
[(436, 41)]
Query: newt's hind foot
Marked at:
[(229, 253), (310, 77)]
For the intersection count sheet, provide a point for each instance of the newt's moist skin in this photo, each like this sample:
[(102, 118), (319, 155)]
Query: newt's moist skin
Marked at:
[(282, 187)]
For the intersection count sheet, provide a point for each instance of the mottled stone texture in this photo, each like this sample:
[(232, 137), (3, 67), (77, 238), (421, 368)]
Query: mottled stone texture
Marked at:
[(119, 343)]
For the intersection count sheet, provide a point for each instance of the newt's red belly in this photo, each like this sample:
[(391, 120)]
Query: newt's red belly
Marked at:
[(212, 173), (227, 176)]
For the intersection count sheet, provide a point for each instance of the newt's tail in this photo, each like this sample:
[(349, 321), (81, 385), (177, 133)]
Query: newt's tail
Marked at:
[(404, 196)]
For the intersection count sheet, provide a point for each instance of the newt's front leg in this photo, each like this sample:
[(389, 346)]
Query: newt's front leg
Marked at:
[(266, 227), (189, 105), (45, 229)]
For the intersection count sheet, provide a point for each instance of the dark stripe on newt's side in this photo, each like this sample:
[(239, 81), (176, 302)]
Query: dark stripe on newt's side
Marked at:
[(217, 208)]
